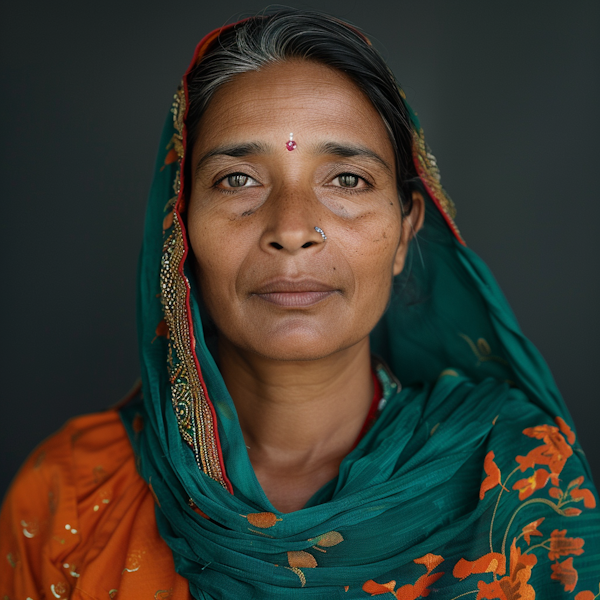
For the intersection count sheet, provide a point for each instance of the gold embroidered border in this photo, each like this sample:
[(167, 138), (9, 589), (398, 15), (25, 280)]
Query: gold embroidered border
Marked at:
[(192, 409), (430, 172)]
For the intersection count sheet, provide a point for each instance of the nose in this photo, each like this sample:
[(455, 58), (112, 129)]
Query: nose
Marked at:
[(291, 223)]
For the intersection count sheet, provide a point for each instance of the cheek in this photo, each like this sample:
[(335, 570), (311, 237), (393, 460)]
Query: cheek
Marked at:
[(217, 251), (370, 251)]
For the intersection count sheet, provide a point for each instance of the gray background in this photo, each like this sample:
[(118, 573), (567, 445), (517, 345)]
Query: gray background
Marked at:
[(508, 93)]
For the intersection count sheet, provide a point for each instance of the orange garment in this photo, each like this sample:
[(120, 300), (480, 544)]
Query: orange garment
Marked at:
[(78, 522)]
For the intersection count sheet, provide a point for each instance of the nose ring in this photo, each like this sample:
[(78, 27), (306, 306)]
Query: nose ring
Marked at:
[(319, 230)]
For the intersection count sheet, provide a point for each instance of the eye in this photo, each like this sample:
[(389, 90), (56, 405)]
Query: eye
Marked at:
[(237, 180), (349, 180)]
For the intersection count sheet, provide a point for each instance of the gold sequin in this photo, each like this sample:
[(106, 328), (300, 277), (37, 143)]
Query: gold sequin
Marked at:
[(133, 562), (59, 589), (30, 528)]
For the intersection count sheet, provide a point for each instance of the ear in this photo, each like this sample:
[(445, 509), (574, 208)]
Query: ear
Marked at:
[(411, 224)]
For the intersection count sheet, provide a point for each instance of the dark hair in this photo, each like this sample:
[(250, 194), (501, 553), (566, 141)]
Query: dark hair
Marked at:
[(288, 34)]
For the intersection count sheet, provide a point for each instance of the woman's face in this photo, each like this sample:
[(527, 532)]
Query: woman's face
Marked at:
[(271, 283)]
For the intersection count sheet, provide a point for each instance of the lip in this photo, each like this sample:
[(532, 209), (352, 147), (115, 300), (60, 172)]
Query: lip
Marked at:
[(294, 292)]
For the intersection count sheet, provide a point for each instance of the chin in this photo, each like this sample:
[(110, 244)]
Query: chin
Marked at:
[(299, 344)]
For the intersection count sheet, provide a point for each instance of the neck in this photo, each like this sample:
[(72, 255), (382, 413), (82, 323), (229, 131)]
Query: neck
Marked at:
[(299, 417)]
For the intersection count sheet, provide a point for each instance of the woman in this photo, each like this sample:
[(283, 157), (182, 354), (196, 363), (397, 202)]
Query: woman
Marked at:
[(297, 231)]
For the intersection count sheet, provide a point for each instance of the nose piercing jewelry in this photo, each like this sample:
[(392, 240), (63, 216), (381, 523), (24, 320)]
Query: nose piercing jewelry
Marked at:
[(319, 230), (291, 144)]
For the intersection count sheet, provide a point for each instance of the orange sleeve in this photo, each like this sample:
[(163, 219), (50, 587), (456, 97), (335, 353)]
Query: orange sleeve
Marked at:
[(78, 521)]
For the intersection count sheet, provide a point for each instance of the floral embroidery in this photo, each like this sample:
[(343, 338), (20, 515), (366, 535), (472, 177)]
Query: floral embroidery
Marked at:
[(587, 595), (493, 562), (542, 465), (527, 486), (532, 529), (421, 587), (565, 573), (563, 546), (493, 475), (545, 463), (553, 453), (515, 584)]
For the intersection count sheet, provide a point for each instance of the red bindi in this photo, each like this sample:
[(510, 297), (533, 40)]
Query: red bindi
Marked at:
[(291, 144)]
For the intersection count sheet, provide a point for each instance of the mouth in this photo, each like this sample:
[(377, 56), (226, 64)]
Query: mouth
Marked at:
[(294, 293)]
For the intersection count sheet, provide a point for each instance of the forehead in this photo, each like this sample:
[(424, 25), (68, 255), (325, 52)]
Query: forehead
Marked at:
[(309, 99)]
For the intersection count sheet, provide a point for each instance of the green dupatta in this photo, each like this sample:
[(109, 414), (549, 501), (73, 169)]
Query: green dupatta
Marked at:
[(471, 482)]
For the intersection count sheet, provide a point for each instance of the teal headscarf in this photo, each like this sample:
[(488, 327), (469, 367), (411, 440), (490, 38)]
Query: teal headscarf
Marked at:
[(470, 483)]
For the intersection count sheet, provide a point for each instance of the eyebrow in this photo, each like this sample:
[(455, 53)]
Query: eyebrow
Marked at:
[(235, 150), (323, 148), (349, 151)]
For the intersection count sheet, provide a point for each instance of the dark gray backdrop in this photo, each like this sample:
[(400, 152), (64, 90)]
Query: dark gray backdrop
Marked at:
[(508, 93)]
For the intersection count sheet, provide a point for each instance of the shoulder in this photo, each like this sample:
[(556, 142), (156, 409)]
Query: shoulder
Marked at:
[(57, 489), (78, 455)]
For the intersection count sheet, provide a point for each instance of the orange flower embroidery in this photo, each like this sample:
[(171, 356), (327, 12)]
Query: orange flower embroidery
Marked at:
[(565, 573), (514, 585), (374, 588), (554, 452), (493, 475), (555, 493), (420, 589), (493, 562), (527, 486), (430, 561), (565, 429), (585, 596), (532, 529), (588, 498), (563, 546), (409, 591)]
